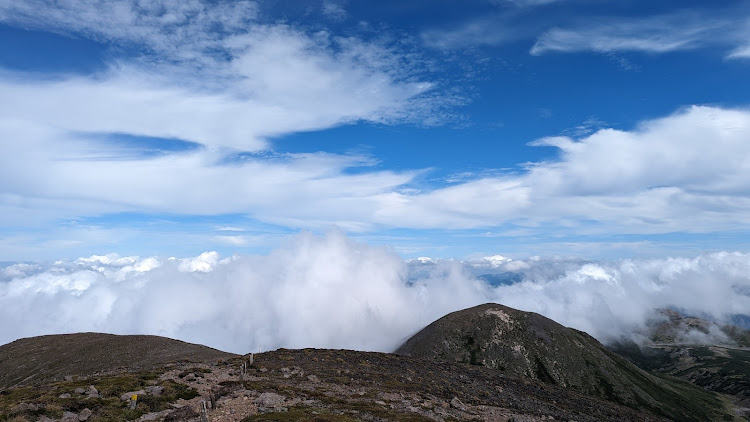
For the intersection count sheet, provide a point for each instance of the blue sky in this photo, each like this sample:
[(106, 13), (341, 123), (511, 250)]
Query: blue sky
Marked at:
[(599, 129)]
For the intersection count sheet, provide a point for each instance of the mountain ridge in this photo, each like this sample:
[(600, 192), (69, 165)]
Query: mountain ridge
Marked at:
[(529, 345), (52, 357)]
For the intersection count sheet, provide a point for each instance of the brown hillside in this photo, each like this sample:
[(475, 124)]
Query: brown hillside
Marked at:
[(46, 358), (528, 345), (313, 385)]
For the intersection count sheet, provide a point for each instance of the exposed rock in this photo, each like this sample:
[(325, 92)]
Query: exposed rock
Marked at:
[(65, 396), (24, 407), (69, 417), (127, 396), (92, 392), (270, 400), (182, 414), (456, 404), (154, 390), (84, 415), (153, 416)]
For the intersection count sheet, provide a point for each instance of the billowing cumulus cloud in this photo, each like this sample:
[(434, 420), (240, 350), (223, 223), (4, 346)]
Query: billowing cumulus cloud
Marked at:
[(331, 291)]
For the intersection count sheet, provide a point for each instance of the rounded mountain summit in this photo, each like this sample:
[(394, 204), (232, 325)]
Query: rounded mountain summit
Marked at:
[(528, 345)]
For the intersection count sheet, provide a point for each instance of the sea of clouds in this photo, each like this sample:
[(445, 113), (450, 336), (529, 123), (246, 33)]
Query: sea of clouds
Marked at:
[(332, 291)]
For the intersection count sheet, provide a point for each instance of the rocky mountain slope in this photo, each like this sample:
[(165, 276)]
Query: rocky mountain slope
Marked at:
[(712, 356), (309, 385), (53, 357), (101, 377), (528, 345)]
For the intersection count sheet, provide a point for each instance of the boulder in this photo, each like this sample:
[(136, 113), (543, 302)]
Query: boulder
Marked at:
[(270, 400), (92, 392), (84, 415), (129, 394)]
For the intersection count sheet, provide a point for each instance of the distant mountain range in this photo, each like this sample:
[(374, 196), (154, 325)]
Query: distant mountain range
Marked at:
[(489, 362), (712, 356)]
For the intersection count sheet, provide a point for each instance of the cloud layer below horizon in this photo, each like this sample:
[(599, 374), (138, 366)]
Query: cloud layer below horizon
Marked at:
[(331, 291)]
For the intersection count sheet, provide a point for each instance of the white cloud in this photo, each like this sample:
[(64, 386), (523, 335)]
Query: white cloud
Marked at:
[(324, 292), (676, 31), (682, 173), (211, 73), (740, 53), (333, 292), (488, 30), (204, 263), (334, 11), (683, 29)]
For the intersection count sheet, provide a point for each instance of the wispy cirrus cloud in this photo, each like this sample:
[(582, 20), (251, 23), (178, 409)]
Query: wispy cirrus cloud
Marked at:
[(485, 31), (213, 74), (677, 31), (528, 3), (742, 52)]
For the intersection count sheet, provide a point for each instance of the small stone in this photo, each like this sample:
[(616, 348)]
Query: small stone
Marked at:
[(64, 396), (92, 392), (127, 396), (313, 378), (69, 417), (190, 377), (152, 416), (79, 390), (84, 415), (155, 390), (380, 402), (68, 378), (457, 404)]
